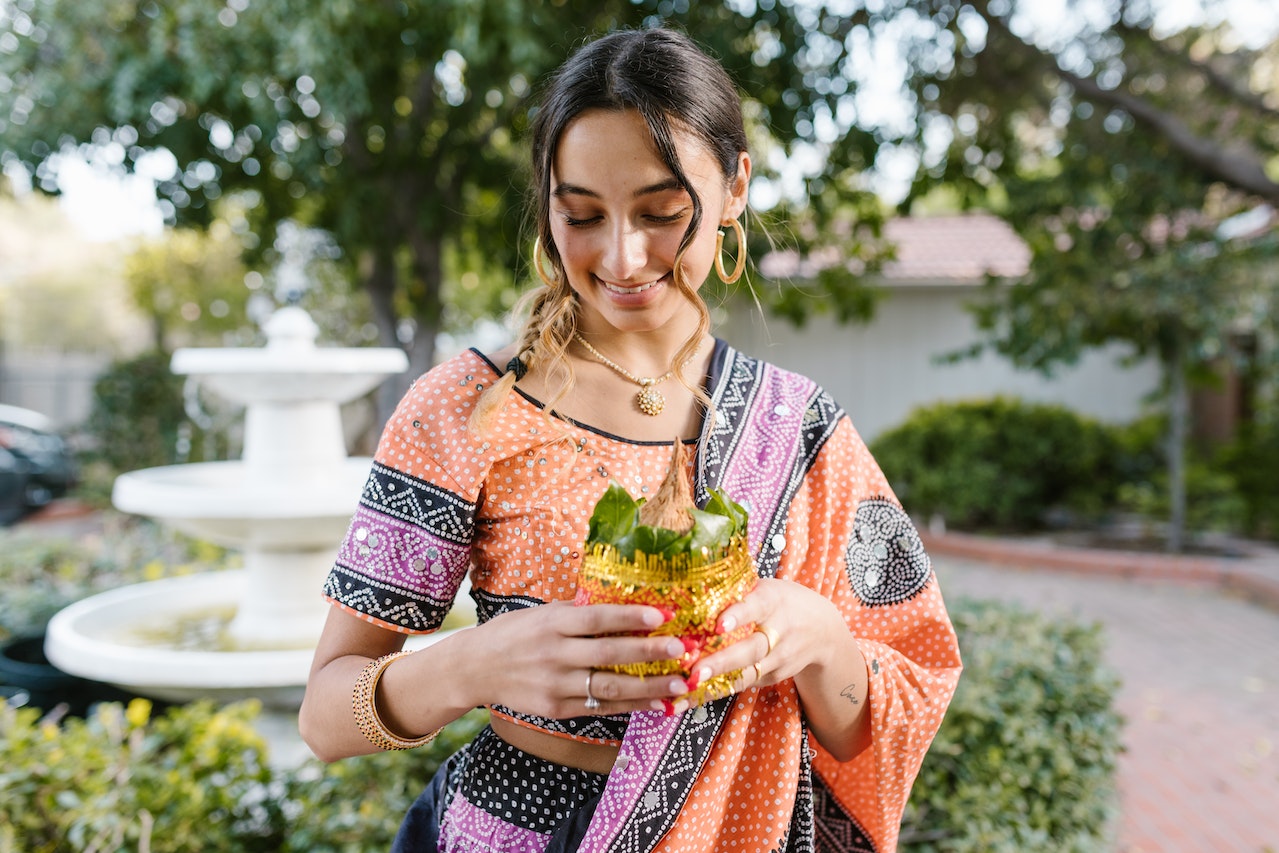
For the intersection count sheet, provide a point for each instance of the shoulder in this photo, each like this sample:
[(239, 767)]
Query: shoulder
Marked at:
[(468, 368), (430, 428), (771, 390)]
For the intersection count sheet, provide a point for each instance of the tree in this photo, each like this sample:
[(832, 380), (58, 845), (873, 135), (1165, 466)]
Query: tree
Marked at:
[(1127, 159), (190, 286), (397, 127)]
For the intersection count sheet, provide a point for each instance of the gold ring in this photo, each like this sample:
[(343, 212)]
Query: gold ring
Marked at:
[(770, 634)]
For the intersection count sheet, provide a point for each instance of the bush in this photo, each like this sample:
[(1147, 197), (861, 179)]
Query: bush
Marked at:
[(1252, 460), (1000, 463), (196, 778), (1025, 759), (137, 409)]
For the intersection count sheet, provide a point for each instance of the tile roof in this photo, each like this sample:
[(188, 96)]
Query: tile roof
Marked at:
[(952, 249)]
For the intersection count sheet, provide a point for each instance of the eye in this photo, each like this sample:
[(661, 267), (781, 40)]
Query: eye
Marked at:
[(667, 219), (574, 222)]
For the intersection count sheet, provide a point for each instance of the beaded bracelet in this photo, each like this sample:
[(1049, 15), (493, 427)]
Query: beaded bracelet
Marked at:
[(364, 703)]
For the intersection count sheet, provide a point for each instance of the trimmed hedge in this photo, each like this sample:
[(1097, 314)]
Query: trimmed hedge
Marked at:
[(1024, 761), (1026, 757), (1000, 463)]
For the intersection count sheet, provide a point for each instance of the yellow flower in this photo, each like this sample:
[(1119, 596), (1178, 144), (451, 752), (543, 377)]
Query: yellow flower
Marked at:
[(138, 712)]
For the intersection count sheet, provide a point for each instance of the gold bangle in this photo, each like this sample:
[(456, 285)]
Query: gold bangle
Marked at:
[(364, 703)]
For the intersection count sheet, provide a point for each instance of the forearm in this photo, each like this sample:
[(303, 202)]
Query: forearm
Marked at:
[(327, 719), (833, 691)]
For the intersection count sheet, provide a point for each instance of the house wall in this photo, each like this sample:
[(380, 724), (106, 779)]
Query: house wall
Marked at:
[(57, 384), (881, 371)]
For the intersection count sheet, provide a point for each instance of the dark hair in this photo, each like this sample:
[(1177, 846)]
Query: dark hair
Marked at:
[(665, 77)]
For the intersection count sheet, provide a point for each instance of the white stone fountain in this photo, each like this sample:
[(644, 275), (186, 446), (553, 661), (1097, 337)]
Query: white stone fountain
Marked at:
[(285, 505)]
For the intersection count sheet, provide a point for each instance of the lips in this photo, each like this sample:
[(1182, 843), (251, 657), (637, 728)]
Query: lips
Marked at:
[(629, 290)]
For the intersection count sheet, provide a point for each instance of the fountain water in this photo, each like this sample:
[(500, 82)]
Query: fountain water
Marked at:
[(285, 505)]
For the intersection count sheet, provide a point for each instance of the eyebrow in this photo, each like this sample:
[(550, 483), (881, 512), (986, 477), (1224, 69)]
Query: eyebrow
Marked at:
[(565, 189)]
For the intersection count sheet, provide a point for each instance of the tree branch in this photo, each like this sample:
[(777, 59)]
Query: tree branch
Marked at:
[(1216, 79), (1238, 167)]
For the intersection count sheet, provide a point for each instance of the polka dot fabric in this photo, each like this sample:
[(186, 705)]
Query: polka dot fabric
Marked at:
[(516, 502)]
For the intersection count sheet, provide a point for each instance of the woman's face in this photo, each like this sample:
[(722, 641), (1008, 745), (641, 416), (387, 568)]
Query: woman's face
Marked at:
[(618, 215)]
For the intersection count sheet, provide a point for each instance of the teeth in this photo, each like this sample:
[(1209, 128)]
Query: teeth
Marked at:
[(613, 288)]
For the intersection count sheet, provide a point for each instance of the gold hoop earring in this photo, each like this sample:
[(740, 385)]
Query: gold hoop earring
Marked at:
[(537, 265), (740, 264)]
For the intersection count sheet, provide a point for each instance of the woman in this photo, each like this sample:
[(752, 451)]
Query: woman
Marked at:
[(492, 464)]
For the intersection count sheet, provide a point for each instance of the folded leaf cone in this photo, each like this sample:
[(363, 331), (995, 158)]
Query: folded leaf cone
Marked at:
[(667, 553)]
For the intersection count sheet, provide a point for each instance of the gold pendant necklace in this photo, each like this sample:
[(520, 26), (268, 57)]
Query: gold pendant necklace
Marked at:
[(649, 400)]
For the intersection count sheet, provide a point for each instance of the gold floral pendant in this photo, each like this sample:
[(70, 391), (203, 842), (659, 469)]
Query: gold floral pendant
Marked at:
[(650, 401)]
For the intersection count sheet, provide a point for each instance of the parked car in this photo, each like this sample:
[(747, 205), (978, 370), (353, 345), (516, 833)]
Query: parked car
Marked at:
[(36, 465)]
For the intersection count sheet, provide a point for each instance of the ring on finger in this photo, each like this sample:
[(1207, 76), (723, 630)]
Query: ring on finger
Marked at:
[(770, 634), (759, 672), (592, 704)]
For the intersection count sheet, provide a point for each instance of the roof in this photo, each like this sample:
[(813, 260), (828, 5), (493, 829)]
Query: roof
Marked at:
[(952, 249)]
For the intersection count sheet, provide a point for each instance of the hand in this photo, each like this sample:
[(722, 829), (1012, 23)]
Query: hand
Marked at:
[(794, 627), (538, 660)]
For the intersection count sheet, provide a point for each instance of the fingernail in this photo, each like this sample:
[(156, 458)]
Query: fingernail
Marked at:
[(727, 624), (677, 687), (675, 648), (654, 617), (667, 614)]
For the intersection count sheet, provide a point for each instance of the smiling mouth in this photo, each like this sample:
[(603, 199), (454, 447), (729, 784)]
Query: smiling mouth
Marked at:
[(627, 291)]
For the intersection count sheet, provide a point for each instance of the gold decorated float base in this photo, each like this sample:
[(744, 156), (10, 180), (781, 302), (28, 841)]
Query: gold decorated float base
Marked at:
[(694, 587)]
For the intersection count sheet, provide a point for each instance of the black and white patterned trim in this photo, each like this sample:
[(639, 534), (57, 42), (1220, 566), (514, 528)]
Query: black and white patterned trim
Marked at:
[(885, 559), (420, 503)]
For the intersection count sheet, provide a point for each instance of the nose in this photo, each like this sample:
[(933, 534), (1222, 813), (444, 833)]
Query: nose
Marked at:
[(625, 253)]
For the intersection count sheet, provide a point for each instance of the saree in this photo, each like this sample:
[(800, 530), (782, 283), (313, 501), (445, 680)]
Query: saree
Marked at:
[(512, 507)]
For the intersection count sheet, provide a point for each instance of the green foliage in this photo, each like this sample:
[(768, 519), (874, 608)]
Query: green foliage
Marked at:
[(1252, 460), (615, 521), (41, 573), (190, 285), (999, 463), (139, 420), (137, 408), (1026, 757), (194, 779)]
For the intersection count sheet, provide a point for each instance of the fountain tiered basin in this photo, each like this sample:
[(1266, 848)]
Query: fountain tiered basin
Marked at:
[(284, 505)]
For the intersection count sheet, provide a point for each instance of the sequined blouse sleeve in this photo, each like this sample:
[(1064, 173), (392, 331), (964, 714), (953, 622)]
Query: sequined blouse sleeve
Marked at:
[(407, 550)]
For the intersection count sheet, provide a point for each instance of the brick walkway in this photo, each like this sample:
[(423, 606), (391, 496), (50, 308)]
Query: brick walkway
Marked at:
[(1200, 672)]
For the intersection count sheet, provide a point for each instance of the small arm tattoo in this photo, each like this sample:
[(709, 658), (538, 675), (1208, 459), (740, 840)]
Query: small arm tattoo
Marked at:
[(850, 693)]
